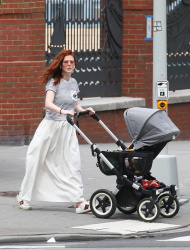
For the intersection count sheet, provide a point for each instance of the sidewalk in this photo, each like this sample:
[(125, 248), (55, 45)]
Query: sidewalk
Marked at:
[(59, 220)]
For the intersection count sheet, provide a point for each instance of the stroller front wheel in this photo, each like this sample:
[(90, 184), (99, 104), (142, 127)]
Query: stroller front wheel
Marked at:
[(103, 203), (148, 210), (169, 205)]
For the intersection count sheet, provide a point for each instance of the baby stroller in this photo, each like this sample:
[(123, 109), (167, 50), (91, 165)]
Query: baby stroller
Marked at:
[(136, 189)]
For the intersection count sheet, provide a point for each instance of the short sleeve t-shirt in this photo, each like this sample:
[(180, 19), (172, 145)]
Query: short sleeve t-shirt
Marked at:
[(65, 97)]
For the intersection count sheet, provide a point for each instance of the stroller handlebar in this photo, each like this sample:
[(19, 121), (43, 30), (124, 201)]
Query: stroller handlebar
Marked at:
[(86, 112), (77, 114), (70, 120), (95, 117)]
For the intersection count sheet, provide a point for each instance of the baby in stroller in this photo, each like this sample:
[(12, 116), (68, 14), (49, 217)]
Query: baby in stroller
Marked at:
[(136, 189)]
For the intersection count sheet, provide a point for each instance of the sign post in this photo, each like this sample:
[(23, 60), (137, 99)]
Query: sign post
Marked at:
[(164, 166)]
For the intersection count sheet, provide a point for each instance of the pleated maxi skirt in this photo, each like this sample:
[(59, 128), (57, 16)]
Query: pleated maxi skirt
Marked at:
[(53, 165)]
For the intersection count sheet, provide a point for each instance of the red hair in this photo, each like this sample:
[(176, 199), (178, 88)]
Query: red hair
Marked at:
[(54, 69)]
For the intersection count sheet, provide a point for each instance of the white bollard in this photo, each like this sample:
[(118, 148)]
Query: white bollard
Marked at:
[(164, 169)]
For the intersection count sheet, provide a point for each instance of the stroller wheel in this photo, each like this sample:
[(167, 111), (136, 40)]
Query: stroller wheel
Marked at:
[(169, 205), (148, 210), (103, 203), (127, 209)]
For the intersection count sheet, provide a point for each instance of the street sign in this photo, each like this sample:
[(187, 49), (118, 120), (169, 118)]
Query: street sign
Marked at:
[(162, 90)]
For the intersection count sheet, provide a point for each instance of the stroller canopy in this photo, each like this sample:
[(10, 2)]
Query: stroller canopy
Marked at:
[(148, 127)]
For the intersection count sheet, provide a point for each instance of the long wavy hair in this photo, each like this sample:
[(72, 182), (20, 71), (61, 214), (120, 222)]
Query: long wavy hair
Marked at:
[(54, 70)]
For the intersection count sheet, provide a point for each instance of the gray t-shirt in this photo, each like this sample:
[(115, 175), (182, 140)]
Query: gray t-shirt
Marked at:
[(65, 97)]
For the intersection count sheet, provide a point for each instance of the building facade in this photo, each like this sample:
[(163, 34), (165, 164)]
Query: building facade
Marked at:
[(22, 60)]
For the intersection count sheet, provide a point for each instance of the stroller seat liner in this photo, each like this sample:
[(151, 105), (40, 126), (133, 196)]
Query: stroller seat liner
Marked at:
[(128, 163)]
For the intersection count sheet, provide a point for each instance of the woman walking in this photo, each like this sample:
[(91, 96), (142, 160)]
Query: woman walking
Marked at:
[(53, 165)]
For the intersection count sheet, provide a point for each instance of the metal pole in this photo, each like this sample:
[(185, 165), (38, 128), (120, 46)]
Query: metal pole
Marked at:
[(159, 49), (159, 45), (164, 166)]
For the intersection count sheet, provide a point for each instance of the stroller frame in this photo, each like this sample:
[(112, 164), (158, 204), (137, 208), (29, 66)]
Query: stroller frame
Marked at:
[(149, 203)]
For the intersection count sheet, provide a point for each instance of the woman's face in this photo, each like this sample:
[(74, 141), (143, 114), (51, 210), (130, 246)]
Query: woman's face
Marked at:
[(68, 64)]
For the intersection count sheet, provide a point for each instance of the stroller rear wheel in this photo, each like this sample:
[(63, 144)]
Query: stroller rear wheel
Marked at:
[(169, 205), (148, 210), (103, 203), (127, 209)]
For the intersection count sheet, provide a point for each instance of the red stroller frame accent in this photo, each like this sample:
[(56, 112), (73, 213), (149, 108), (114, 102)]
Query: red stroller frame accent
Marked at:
[(130, 168)]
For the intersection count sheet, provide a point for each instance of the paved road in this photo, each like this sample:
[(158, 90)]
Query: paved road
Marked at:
[(59, 220)]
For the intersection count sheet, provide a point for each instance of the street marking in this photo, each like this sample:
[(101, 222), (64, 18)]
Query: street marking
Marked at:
[(184, 238), (30, 247), (128, 227), (51, 240)]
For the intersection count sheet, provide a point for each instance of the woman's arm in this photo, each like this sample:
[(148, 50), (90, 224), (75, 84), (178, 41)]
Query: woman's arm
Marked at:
[(78, 108), (51, 106)]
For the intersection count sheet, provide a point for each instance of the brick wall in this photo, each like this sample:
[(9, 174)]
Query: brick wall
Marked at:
[(137, 63), (180, 115), (22, 60), (137, 53), (114, 120)]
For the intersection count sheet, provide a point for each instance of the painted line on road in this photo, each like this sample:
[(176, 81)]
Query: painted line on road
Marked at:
[(183, 238), (128, 227), (30, 247)]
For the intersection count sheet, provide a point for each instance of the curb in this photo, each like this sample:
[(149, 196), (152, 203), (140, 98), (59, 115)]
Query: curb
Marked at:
[(51, 238), (56, 237)]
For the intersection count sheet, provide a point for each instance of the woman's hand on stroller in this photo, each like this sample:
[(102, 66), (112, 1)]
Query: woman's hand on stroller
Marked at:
[(91, 111)]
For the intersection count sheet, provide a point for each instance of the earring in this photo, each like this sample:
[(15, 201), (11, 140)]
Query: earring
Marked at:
[(60, 66)]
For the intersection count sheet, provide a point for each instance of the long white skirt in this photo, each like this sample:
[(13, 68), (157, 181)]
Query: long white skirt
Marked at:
[(53, 165)]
